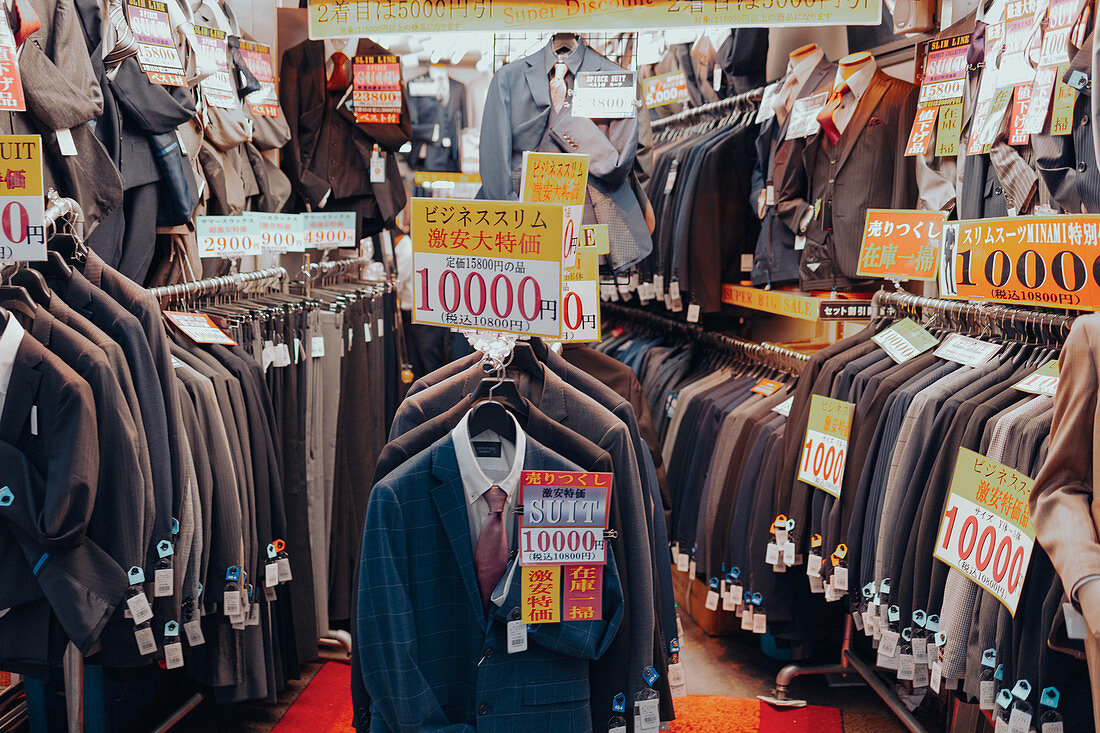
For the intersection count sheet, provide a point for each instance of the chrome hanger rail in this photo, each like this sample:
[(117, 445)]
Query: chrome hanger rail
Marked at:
[(722, 105), (221, 284), (978, 316)]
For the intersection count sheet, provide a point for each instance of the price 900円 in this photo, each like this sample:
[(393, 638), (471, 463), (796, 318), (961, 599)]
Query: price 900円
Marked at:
[(823, 457)]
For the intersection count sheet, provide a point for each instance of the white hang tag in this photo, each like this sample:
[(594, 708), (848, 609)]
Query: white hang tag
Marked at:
[(691, 568), (317, 347), (800, 243), (380, 325), (857, 620), (987, 694), (788, 553), (727, 602), (271, 574), (889, 643), (817, 585), (231, 603), (1019, 721), (139, 607), (937, 677), (269, 594), (693, 313), (712, 600), (759, 623), (517, 636), (145, 641), (162, 582), (840, 578), (907, 667), (193, 631), (173, 655), (377, 169), (920, 651), (647, 716), (367, 335), (253, 615), (888, 661), (677, 680), (65, 142), (297, 349), (285, 576), (771, 555), (769, 195), (813, 566), (920, 676), (737, 594), (682, 562), (34, 419), (746, 619)]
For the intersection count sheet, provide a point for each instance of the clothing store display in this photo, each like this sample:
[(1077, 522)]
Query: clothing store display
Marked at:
[(438, 120)]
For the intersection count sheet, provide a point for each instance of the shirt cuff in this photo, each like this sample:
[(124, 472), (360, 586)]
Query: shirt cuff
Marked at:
[(1077, 587)]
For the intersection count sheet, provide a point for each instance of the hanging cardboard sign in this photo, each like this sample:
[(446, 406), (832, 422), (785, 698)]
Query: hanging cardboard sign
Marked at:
[(488, 265), (986, 531), (581, 296), (257, 57), (1043, 380), (941, 91), (22, 200), (662, 89), (277, 232), (541, 594), (157, 52), (329, 229), (226, 236), (824, 451), (604, 95), (11, 85), (376, 92), (334, 19), (200, 328), (218, 88), (901, 244), (564, 517), (905, 340), (558, 178)]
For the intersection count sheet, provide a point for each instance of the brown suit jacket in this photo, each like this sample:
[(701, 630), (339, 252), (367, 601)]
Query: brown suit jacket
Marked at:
[(867, 168)]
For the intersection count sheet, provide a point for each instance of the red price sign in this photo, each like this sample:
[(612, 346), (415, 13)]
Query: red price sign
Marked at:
[(488, 265), (825, 449), (986, 531), (376, 92)]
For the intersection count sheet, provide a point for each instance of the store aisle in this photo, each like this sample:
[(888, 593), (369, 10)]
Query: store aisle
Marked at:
[(734, 666)]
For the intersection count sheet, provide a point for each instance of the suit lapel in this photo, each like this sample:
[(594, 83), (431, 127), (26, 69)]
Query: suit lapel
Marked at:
[(880, 82), (21, 393), (450, 502), (538, 81)]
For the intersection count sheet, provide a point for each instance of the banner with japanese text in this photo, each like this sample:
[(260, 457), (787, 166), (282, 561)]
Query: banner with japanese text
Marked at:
[(488, 265), (22, 199), (1050, 261), (901, 244), (942, 84), (558, 178), (334, 19)]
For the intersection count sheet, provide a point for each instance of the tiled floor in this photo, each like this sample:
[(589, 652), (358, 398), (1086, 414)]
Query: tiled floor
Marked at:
[(735, 666)]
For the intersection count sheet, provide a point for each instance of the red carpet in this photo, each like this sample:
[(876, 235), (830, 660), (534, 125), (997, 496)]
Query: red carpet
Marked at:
[(325, 707)]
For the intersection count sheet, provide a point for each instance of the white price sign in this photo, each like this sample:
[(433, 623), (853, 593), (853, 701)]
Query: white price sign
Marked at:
[(581, 297), (564, 518), (600, 95), (825, 448), (1043, 380), (986, 531), (489, 265), (328, 229), (225, 236), (277, 232), (22, 200)]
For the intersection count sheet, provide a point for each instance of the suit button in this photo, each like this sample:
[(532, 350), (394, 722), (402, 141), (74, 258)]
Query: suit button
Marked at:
[(832, 180), (489, 653), (1081, 166), (1084, 120), (998, 190), (483, 709)]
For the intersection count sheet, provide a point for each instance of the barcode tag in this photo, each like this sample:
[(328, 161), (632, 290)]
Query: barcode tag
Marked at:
[(231, 602), (648, 716), (285, 576), (173, 655), (271, 574), (517, 636), (193, 631), (759, 623), (317, 347), (677, 680), (693, 313), (162, 582), (139, 608), (145, 641), (712, 600), (253, 615)]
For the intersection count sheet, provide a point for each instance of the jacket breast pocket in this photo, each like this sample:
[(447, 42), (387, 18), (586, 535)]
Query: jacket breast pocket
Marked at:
[(555, 692)]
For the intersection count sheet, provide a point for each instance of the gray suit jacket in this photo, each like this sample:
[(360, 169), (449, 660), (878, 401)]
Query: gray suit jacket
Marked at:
[(521, 93)]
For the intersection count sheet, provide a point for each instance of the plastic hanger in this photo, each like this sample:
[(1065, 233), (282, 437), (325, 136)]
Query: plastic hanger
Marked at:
[(33, 284)]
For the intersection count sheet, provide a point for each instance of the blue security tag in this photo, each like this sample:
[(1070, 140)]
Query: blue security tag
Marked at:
[(6, 497), (619, 704), (893, 614), (907, 633), (989, 658), (199, 594), (1077, 79), (175, 526), (1050, 697), (674, 646), (933, 623), (941, 638), (869, 590), (650, 675), (136, 575), (713, 583), (757, 599), (271, 551), (1021, 690), (171, 629), (790, 525), (735, 573), (920, 618), (884, 586), (999, 675), (164, 548), (1004, 699), (232, 574)]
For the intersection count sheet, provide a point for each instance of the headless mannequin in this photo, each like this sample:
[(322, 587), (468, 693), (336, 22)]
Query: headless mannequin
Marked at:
[(854, 62), (565, 43)]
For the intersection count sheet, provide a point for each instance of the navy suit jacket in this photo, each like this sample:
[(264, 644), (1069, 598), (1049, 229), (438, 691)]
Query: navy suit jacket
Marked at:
[(432, 659)]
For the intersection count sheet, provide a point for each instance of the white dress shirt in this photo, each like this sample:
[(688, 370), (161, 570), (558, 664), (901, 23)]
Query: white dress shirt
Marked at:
[(857, 83), (797, 74), (9, 345), (349, 44), (480, 472)]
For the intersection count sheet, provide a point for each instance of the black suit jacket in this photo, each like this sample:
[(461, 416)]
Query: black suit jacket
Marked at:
[(436, 127), (309, 107), (867, 168)]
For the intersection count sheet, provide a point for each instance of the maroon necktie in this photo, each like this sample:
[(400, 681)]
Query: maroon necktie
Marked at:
[(491, 557), (338, 82), (825, 117)]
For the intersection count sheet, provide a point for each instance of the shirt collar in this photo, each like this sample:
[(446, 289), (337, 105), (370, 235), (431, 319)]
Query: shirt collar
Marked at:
[(573, 60), (474, 480), (330, 48), (9, 346), (806, 66), (859, 81)]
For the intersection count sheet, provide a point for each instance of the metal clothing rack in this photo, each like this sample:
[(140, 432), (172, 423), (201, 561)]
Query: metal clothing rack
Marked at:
[(758, 351), (722, 105), (966, 314), (221, 284)]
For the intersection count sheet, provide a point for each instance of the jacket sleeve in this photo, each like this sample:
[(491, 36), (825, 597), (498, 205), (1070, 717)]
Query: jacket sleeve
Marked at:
[(1061, 499), (54, 510), (791, 194), (580, 639), (612, 152), (61, 89), (309, 186), (496, 144), (387, 629)]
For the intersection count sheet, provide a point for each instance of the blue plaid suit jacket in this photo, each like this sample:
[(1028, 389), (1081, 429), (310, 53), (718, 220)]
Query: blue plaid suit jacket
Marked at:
[(432, 660)]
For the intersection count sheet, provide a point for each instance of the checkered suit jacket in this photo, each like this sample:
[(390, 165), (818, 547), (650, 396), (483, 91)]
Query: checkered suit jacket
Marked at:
[(431, 658)]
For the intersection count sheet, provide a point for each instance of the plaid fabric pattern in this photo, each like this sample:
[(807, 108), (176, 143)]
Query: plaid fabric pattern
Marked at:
[(431, 659)]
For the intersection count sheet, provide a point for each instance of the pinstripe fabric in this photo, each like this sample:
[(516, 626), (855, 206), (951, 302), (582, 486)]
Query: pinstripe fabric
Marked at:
[(431, 659)]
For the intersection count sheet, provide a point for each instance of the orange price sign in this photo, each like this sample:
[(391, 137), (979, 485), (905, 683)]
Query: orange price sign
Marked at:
[(900, 244), (1049, 261), (663, 89)]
